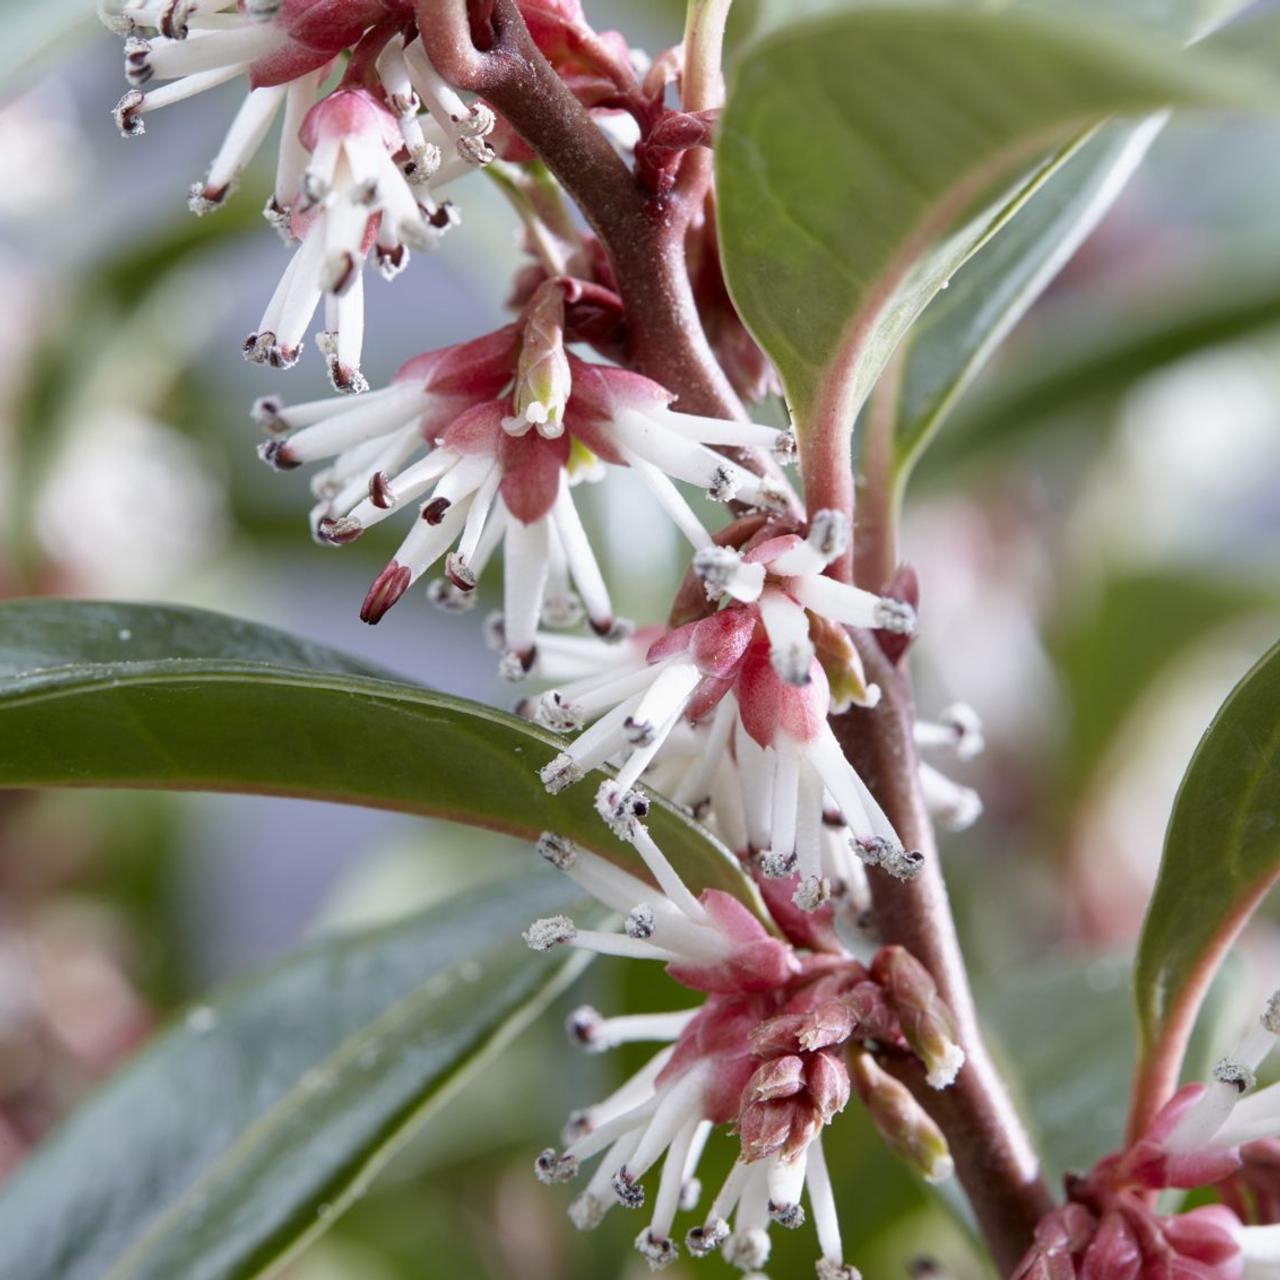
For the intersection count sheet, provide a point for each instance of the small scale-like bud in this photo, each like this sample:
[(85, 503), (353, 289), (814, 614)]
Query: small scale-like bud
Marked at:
[(552, 1167), (901, 1120), (827, 1079), (553, 931), (543, 378), (928, 1026), (765, 1127), (778, 1078)]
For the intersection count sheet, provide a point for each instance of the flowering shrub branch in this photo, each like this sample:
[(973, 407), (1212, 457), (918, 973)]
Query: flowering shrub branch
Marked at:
[(773, 705)]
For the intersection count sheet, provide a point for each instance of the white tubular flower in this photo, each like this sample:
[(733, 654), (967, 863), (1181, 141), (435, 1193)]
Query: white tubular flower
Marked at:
[(465, 127), (352, 194), (708, 714), (764, 1052), (200, 44), (1196, 1137)]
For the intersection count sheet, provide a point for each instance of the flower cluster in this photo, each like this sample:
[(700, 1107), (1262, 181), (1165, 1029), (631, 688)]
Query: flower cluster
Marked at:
[(360, 166), (479, 447), (781, 1042), (1219, 1134)]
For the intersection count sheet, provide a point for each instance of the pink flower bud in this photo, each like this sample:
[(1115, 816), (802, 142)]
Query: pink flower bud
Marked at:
[(778, 1078), (1114, 1253), (827, 1078), (901, 1120), (927, 1024)]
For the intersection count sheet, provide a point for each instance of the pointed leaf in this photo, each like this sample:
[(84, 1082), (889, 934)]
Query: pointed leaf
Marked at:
[(1221, 856), (120, 695), (864, 158), (244, 1131)]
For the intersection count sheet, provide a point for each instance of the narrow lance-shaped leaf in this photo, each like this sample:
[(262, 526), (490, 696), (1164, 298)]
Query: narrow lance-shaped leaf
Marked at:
[(246, 1129), (864, 158), (1221, 856), (114, 695)]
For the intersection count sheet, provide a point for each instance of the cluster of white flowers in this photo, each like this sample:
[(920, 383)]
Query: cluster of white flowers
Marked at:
[(726, 710)]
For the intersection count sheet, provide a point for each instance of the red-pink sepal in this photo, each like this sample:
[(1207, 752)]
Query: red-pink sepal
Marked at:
[(461, 375), (1061, 1237), (770, 706), (349, 111), (1209, 1236), (719, 1033), (531, 470), (1150, 1163), (318, 31), (829, 1086), (755, 961), (717, 644), (771, 548), (602, 393), (1114, 1253), (814, 930), (780, 1077)]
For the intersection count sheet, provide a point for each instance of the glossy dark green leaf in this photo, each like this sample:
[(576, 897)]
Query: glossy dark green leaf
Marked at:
[(1221, 855), (151, 696), (248, 1127), (864, 157)]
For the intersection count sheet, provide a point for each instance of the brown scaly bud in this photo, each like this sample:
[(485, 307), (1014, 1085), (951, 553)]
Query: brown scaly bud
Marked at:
[(827, 1079), (830, 1023), (543, 380), (928, 1026), (778, 1078), (902, 1122), (765, 1127)]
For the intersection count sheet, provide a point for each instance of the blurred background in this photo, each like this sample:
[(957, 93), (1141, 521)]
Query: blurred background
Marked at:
[(1096, 533)]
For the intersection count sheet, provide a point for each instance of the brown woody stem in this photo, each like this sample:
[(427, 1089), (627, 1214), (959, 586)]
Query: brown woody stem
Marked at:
[(994, 1157), (643, 233)]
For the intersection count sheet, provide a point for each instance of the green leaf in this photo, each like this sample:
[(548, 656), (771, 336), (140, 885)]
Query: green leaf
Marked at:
[(963, 325), (1221, 855), (245, 1130), (111, 695), (861, 162)]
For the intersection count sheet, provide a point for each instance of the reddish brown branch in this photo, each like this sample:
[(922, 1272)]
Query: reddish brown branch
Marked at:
[(994, 1158), (644, 234)]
